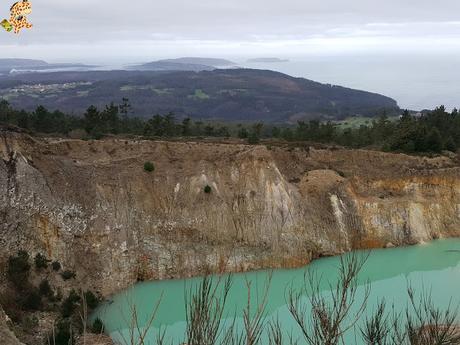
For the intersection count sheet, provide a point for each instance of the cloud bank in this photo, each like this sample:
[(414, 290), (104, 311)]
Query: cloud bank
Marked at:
[(121, 30)]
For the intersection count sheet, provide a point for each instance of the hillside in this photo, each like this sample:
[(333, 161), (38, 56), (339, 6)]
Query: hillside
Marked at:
[(14, 63), (195, 64), (231, 95), (169, 65)]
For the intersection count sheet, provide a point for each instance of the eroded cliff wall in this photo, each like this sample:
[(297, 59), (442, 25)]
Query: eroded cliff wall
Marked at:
[(90, 205)]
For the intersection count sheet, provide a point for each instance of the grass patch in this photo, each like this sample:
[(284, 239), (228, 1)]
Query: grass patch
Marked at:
[(199, 95), (358, 121)]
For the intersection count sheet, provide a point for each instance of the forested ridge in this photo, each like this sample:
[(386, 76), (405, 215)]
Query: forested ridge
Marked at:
[(224, 95)]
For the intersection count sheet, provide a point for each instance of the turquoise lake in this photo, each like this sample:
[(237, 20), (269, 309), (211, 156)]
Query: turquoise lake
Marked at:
[(433, 267)]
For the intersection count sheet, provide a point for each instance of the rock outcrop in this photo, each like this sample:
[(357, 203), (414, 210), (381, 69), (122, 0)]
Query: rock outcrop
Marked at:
[(91, 206)]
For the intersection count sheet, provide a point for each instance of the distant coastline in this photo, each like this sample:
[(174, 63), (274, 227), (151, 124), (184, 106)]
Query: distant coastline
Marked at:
[(267, 60)]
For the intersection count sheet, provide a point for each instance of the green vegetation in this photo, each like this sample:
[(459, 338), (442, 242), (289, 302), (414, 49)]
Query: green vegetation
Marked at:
[(32, 300), (253, 139), (353, 122), (56, 265), (41, 262), (62, 334), (70, 303), (45, 288), (18, 269), (358, 121), (149, 167), (92, 301), (199, 95), (67, 274), (230, 94), (432, 131), (21, 298), (255, 133), (207, 189), (98, 326)]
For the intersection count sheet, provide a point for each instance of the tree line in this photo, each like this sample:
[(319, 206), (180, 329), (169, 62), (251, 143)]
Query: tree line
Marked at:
[(432, 131)]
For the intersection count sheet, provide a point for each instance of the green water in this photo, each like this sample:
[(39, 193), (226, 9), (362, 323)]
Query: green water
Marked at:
[(434, 266)]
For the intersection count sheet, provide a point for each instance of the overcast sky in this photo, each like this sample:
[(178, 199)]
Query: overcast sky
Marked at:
[(124, 30)]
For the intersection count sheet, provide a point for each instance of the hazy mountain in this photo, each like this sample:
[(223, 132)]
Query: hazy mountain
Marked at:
[(165, 65), (7, 64), (227, 94), (195, 64), (29, 65)]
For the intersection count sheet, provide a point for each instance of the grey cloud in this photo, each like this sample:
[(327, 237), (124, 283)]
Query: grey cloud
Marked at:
[(120, 25)]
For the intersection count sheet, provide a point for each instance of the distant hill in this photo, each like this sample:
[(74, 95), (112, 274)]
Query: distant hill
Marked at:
[(229, 94), (267, 60), (194, 64), (28, 65), (165, 65), (8, 64)]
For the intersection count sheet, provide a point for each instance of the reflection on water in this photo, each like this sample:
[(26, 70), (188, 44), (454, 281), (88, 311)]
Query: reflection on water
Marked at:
[(434, 266)]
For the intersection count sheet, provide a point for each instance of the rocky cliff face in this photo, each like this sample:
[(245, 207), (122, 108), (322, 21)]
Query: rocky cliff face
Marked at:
[(90, 205)]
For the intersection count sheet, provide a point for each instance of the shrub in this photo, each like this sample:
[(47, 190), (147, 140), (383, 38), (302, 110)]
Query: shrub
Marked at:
[(32, 301), (253, 139), (91, 300), (41, 262), (207, 189), (78, 134), (69, 304), (294, 180), (434, 140), (98, 326), (30, 322), (45, 288), (450, 144), (149, 167), (340, 173), (18, 269), (67, 274), (62, 334), (9, 303), (97, 135), (56, 265), (243, 133)]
